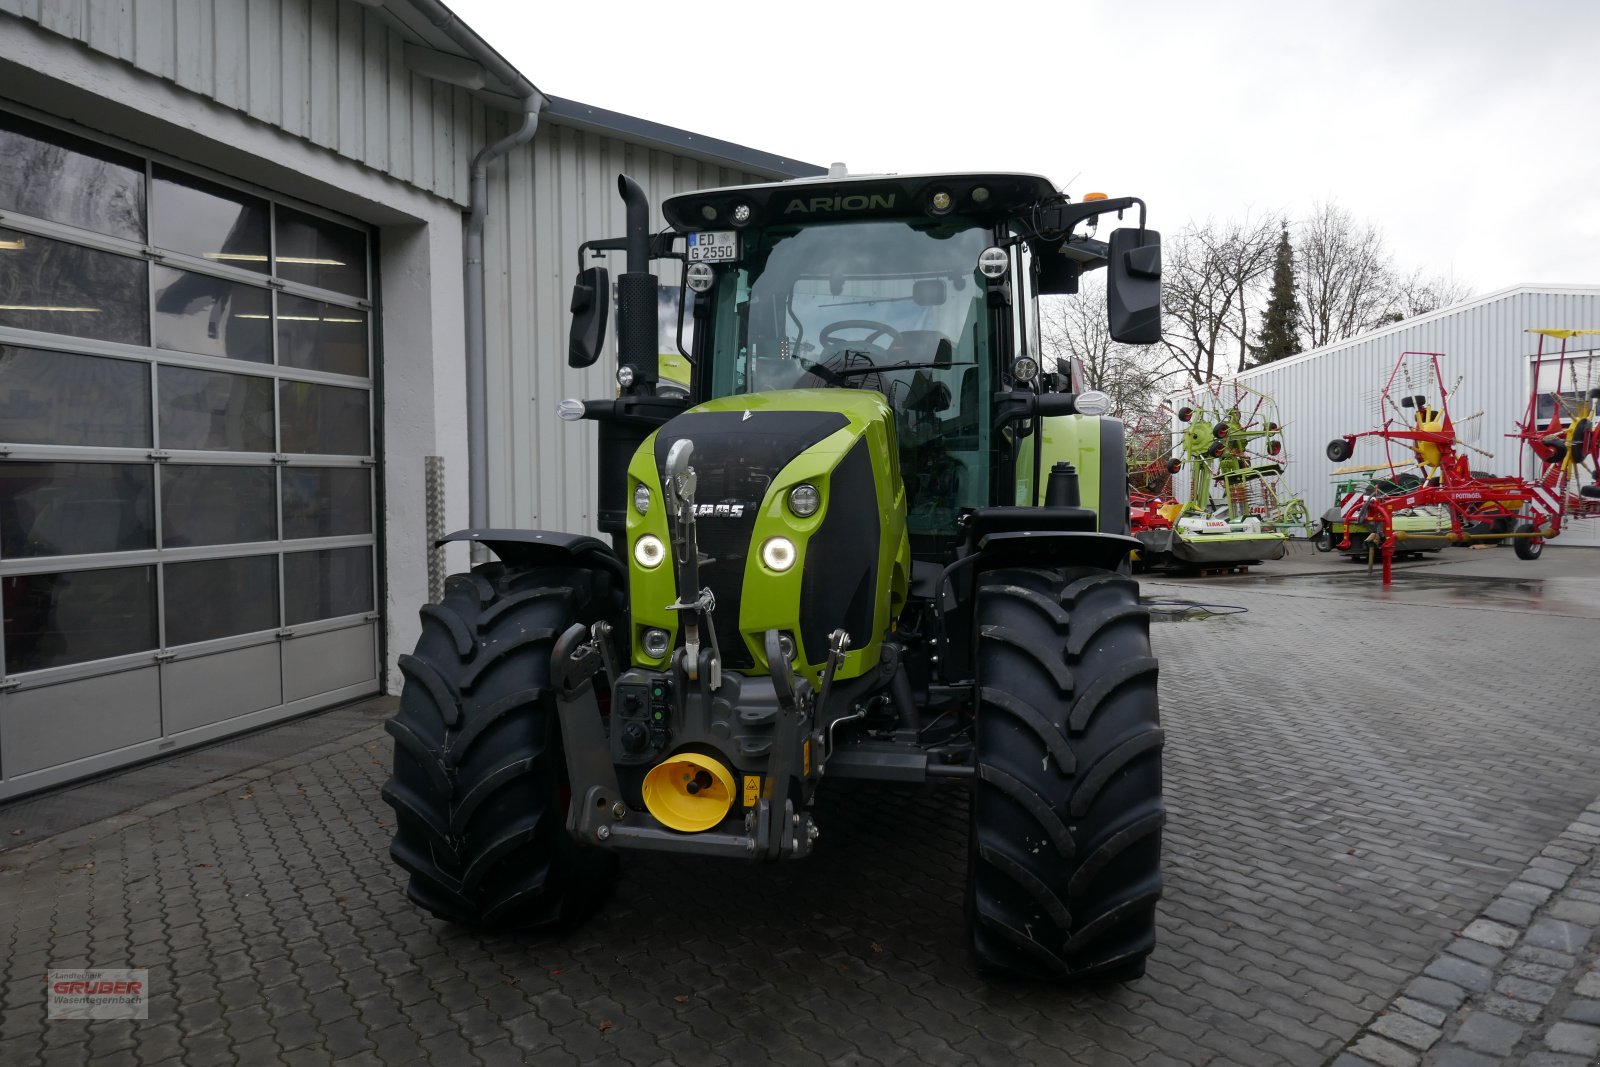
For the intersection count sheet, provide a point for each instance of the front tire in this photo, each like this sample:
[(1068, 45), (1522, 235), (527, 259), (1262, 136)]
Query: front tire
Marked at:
[(1065, 866), (479, 785)]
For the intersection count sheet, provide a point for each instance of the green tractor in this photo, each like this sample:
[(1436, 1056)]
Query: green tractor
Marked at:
[(874, 541)]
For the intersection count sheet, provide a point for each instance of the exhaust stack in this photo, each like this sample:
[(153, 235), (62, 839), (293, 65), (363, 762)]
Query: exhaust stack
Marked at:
[(637, 356)]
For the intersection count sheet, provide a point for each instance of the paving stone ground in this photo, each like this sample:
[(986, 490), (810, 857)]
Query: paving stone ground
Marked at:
[(1352, 782), (1520, 984)]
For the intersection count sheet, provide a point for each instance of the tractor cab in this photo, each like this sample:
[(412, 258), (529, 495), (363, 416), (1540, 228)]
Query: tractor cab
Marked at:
[(883, 306)]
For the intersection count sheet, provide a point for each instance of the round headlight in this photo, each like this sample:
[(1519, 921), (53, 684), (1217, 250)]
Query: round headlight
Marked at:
[(700, 277), (655, 643), (786, 646), (1093, 402), (804, 500), (778, 554), (993, 262), (708, 212), (1025, 369), (741, 214), (641, 498), (648, 552), (625, 376), (941, 202)]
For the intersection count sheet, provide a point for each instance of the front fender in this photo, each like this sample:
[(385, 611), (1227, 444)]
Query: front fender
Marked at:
[(543, 548)]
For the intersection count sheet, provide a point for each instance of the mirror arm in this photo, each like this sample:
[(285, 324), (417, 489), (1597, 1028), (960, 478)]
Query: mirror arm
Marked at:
[(1026, 404), (1063, 218), (661, 247)]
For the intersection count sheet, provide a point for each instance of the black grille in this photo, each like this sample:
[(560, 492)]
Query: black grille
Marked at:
[(841, 581), (735, 459)]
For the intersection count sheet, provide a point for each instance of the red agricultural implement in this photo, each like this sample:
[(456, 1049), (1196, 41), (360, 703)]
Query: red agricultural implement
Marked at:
[(1564, 442), (1151, 505)]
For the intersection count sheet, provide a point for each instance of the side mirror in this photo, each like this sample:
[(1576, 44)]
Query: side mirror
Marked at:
[(591, 305), (1133, 287)]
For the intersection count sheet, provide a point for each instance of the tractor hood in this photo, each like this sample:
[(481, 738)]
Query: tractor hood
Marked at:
[(848, 561)]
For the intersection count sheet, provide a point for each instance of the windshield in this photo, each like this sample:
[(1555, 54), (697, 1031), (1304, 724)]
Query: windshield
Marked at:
[(888, 306)]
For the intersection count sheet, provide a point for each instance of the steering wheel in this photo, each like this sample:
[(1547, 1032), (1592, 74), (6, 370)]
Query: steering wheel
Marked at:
[(829, 337)]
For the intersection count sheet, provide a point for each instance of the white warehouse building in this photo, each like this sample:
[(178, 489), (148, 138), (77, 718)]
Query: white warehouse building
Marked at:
[(1332, 391), (236, 333)]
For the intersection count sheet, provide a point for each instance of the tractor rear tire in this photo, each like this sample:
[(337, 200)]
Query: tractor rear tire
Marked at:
[(1065, 864), (1528, 548), (480, 780)]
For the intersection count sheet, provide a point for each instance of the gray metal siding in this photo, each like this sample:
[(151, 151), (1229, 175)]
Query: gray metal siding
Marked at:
[(1331, 391), (330, 71), (552, 196)]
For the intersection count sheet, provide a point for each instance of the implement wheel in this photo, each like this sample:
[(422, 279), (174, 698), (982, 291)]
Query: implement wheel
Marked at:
[(1065, 865), (1528, 548), (479, 787)]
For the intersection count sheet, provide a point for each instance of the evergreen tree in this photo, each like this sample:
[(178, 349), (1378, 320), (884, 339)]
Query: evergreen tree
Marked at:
[(1279, 335)]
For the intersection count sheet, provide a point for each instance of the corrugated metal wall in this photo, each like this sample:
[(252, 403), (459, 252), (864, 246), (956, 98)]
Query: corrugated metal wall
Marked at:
[(1329, 392), (330, 71), (559, 192)]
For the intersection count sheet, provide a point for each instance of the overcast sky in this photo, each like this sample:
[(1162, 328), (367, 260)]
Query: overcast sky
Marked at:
[(1467, 129)]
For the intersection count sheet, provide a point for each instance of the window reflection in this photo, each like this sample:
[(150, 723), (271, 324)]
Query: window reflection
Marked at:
[(68, 289), (52, 620), (211, 221), (192, 512), (326, 501), (53, 175), (212, 317), (324, 419), (64, 509), (326, 584), (321, 253), (212, 598), (319, 336), (211, 409), (55, 398)]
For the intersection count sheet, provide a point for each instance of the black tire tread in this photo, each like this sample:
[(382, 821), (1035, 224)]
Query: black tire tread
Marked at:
[(1033, 718), (1067, 814), (478, 766), (1085, 706), (1095, 779), (457, 627), (1036, 806)]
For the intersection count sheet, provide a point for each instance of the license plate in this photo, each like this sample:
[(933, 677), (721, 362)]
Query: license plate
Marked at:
[(714, 246)]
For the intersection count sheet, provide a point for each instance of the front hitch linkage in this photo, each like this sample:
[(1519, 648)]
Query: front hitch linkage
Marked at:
[(680, 485)]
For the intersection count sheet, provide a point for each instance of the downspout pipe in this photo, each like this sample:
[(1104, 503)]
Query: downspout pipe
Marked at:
[(477, 314), (533, 102)]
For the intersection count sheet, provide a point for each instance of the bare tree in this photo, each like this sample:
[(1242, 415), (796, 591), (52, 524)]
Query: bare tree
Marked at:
[(1210, 285), (1418, 293), (1345, 274), (1076, 327)]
